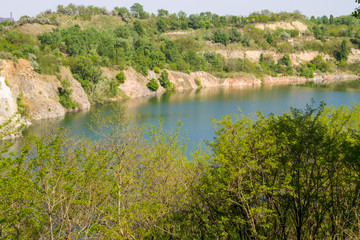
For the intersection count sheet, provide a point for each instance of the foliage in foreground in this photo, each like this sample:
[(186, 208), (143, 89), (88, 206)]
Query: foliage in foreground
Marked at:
[(287, 176)]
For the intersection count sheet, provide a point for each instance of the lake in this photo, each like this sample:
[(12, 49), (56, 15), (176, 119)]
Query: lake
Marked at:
[(196, 108)]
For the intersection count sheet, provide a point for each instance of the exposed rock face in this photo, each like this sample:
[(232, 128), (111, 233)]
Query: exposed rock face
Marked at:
[(207, 80), (11, 123), (295, 25), (182, 81), (254, 56), (8, 104), (135, 85), (40, 91), (336, 77), (78, 94), (354, 55), (284, 80), (242, 82)]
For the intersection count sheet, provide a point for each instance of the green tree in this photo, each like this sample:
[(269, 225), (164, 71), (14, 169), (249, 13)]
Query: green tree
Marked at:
[(221, 37), (85, 72), (153, 85), (306, 72), (64, 94), (139, 28), (270, 38), (138, 11), (161, 25), (235, 36), (325, 20), (162, 13), (164, 80), (120, 77), (123, 12), (343, 54)]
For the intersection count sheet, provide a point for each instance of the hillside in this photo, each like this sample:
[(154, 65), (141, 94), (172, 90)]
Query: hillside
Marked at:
[(77, 56)]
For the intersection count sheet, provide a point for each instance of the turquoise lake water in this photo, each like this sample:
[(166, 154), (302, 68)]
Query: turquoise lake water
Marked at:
[(196, 108)]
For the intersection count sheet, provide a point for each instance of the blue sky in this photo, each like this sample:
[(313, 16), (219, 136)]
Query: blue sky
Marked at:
[(223, 7)]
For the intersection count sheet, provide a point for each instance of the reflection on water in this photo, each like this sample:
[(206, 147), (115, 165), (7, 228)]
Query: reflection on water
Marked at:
[(196, 108)]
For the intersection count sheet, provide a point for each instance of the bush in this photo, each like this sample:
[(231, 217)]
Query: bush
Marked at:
[(157, 70), (221, 37), (164, 80), (64, 94), (85, 72), (198, 82), (306, 72), (153, 85), (120, 77), (285, 36), (23, 109), (33, 61)]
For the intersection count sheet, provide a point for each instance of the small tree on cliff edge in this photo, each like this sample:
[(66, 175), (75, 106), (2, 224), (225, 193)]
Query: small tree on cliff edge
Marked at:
[(164, 80), (342, 55)]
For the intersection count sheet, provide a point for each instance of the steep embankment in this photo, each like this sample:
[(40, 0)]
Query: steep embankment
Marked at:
[(8, 112), (40, 92), (135, 84)]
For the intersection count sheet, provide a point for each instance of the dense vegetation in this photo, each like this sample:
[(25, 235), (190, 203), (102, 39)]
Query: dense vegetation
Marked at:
[(288, 176), (88, 38)]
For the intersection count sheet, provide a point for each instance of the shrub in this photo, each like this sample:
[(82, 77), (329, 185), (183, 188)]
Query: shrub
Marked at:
[(221, 37), (113, 88), (285, 36), (164, 80), (153, 85), (157, 70), (5, 55), (198, 82), (64, 94), (33, 61), (120, 77), (306, 72), (23, 109), (85, 72)]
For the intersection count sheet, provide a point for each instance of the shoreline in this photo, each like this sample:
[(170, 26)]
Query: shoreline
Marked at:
[(40, 91)]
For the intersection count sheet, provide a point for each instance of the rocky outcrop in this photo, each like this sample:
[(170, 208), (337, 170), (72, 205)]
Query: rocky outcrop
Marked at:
[(354, 55), (246, 81), (8, 106), (135, 83), (78, 94), (335, 77), (182, 81), (295, 25), (284, 80), (10, 122), (40, 92), (254, 55)]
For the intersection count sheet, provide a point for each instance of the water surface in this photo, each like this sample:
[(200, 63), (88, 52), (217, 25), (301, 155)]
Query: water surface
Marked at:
[(196, 108)]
